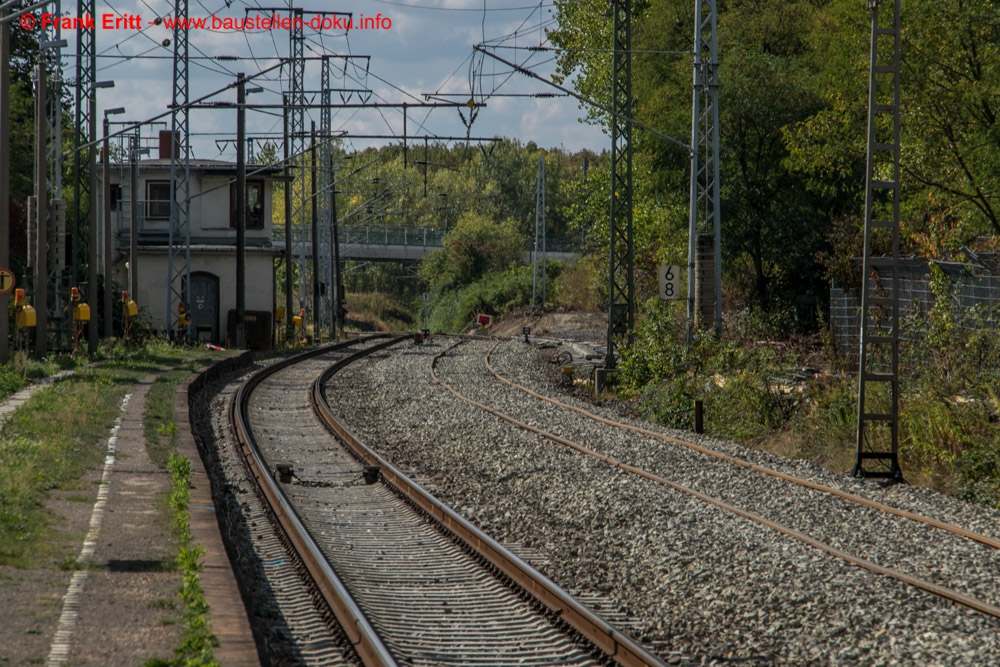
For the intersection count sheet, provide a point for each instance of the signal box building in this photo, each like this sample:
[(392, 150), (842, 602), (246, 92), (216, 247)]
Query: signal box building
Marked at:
[(212, 216)]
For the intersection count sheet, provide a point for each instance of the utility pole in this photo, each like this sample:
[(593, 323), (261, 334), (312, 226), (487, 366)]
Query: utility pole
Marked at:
[(179, 234), (109, 325), (85, 109), (133, 234), (241, 210), (325, 267), (94, 221), (539, 232), (878, 371), (337, 320), (289, 325)]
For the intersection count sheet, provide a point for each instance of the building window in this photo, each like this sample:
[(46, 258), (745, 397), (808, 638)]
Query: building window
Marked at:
[(254, 204), (157, 200)]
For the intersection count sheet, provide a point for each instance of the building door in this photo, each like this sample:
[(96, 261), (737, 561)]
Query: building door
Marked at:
[(205, 305)]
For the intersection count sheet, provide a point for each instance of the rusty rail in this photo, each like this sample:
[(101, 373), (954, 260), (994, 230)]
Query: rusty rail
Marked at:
[(366, 641), (622, 648)]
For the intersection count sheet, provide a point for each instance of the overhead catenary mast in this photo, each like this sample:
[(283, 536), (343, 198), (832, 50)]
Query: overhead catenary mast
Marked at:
[(878, 370), (704, 306)]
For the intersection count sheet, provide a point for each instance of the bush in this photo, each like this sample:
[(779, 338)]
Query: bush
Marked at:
[(736, 379), (495, 293), (475, 248)]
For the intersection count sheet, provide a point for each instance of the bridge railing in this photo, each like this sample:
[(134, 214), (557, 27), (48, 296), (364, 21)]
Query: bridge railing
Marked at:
[(372, 235), (407, 236)]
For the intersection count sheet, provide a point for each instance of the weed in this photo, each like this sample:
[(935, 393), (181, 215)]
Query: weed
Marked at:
[(164, 430), (158, 418), (71, 564), (196, 647), (162, 603)]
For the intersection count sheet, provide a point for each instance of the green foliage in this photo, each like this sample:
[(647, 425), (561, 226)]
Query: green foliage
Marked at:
[(169, 428), (158, 416), (978, 472), (737, 381), (196, 648), (380, 311), (475, 247), (494, 293), (180, 475), (11, 381)]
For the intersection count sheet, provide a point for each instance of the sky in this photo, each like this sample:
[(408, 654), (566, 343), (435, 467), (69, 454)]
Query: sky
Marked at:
[(416, 48)]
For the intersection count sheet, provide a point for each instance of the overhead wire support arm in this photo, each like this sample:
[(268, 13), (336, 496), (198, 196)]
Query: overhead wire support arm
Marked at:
[(586, 100)]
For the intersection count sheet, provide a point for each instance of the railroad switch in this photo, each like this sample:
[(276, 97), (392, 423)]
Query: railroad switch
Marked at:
[(371, 474)]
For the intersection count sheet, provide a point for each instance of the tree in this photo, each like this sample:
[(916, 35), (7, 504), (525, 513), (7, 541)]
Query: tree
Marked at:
[(773, 229), (475, 247)]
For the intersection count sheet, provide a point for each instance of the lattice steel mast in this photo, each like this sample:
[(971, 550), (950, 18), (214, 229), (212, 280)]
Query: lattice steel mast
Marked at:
[(297, 138), (878, 372), (86, 65), (50, 207), (621, 291), (323, 201), (179, 257), (705, 215)]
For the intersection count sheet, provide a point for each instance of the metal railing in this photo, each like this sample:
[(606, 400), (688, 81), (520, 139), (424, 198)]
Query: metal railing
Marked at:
[(372, 235)]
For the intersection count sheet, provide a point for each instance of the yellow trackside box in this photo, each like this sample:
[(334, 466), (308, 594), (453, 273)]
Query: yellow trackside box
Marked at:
[(26, 317), (129, 309), (81, 312)]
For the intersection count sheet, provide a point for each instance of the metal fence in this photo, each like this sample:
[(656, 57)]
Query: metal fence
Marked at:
[(967, 292)]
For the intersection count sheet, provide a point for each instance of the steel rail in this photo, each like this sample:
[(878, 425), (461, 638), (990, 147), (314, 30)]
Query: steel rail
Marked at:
[(359, 631), (815, 486), (622, 648), (923, 584)]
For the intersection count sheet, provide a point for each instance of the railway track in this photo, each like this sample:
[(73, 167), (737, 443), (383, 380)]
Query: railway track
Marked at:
[(695, 583), (933, 582), (408, 580), (835, 542)]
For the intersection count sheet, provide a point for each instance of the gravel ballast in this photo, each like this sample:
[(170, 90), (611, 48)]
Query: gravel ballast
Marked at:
[(698, 583)]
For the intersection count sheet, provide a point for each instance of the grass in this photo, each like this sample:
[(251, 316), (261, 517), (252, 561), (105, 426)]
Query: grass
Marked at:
[(198, 640), (49, 444), (61, 433), (158, 418), (21, 370)]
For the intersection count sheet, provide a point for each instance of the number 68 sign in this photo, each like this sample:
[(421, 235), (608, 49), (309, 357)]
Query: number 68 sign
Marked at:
[(670, 283)]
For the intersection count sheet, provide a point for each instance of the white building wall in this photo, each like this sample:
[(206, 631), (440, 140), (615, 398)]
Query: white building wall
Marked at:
[(209, 212), (152, 282)]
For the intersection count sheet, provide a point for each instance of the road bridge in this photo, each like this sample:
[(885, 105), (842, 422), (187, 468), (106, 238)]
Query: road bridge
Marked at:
[(377, 243)]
